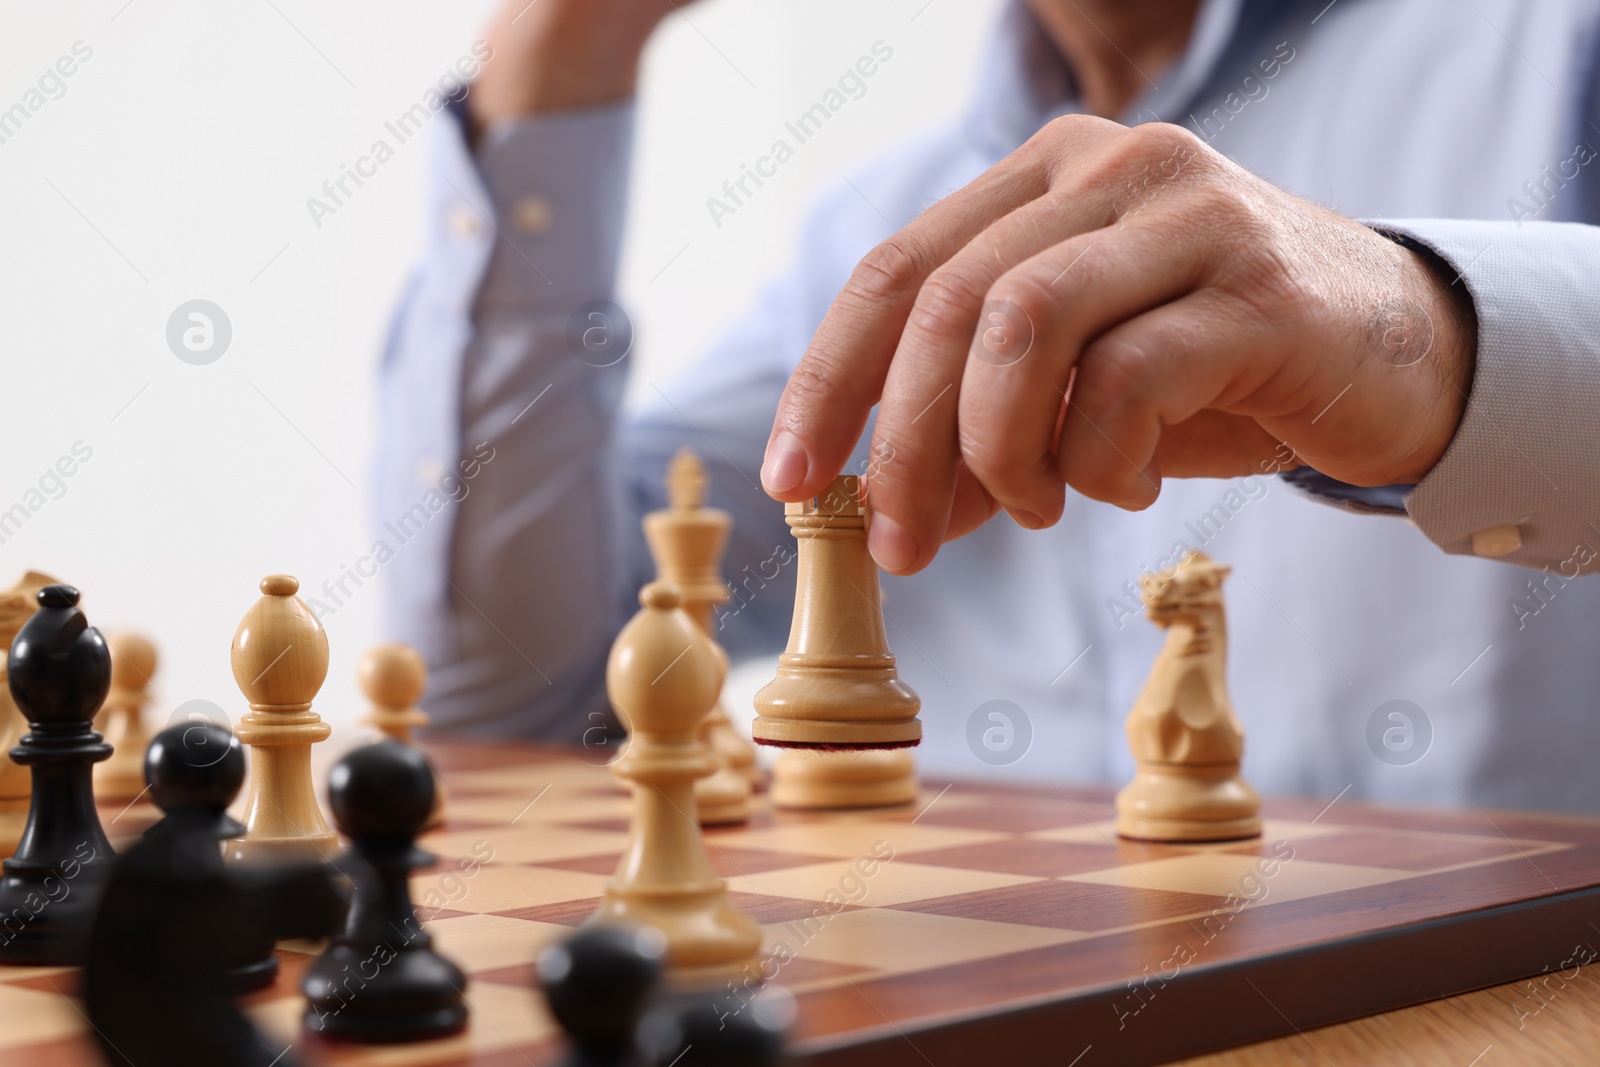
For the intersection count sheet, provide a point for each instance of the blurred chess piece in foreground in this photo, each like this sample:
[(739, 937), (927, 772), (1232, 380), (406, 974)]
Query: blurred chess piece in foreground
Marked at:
[(394, 677), (133, 665)]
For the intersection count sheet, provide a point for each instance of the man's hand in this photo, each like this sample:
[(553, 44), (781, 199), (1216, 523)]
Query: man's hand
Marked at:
[(1105, 307), (555, 55)]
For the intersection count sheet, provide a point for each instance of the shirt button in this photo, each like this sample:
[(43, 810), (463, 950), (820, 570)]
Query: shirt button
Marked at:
[(430, 472), (463, 221), (1495, 541), (532, 215)]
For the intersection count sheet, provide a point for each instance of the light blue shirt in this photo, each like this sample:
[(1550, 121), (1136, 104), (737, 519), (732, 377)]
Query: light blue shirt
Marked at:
[(511, 484)]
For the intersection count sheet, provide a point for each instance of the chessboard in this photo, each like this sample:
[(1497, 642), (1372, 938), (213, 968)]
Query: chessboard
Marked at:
[(980, 918)]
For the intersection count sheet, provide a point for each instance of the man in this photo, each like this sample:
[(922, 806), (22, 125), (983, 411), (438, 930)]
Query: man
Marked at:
[(1128, 307)]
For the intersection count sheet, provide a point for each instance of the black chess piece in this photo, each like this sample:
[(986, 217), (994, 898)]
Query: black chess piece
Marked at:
[(194, 771), (380, 980), (719, 1030), (59, 669), (174, 918), (598, 983)]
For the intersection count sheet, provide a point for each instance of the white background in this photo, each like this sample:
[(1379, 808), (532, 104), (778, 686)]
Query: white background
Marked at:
[(177, 165)]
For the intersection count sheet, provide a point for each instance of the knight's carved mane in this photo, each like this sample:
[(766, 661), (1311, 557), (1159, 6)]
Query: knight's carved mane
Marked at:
[(1195, 583)]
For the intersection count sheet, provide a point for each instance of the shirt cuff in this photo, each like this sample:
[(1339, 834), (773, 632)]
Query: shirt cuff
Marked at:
[(1518, 480), (542, 202), (1364, 500)]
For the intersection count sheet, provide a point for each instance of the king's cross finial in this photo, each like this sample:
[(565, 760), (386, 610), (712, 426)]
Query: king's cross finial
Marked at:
[(686, 481)]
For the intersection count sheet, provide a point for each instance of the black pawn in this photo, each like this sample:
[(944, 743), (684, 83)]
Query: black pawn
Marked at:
[(598, 983), (719, 1031), (171, 918), (380, 980), (59, 669), (194, 771)]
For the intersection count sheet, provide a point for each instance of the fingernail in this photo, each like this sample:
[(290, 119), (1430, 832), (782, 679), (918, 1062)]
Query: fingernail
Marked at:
[(889, 544), (785, 465)]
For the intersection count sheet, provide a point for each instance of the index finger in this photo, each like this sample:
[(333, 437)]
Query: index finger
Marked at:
[(825, 404)]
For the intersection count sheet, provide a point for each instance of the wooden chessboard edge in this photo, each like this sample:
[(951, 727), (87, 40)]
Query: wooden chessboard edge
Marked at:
[(1226, 1005)]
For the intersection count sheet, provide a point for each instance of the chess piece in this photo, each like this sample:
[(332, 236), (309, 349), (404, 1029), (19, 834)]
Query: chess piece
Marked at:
[(597, 984), (17, 606), (687, 541), (394, 677), (720, 1031), (662, 677), (280, 658), (173, 917), (836, 686), (133, 664), (1185, 736), (59, 670), (867, 778), (380, 980)]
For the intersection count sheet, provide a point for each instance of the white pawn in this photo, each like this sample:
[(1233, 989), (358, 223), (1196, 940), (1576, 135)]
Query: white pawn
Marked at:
[(662, 677), (394, 677), (133, 664)]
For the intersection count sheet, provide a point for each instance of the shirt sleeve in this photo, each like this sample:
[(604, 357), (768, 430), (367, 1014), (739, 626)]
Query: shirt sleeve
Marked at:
[(496, 487), (510, 480), (1519, 479)]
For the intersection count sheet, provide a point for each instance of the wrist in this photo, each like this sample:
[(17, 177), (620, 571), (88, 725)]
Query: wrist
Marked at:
[(562, 55), (1445, 372), (544, 85)]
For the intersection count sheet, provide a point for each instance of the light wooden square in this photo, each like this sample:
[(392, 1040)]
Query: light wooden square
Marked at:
[(564, 774), (488, 942), (502, 889), (896, 882), (853, 839), (531, 843), (538, 805), (902, 941), (32, 1016), (1221, 873)]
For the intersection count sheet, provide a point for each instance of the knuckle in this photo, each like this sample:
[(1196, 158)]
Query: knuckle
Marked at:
[(1005, 458), (1160, 139), (989, 460), (1150, 160), (1112, 373), (1028, 296), (894, 266), (1094, 481), (1013, 478), (813, 387), (1067, 129), (948, 303), (1224, 204), (1089, 471)]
